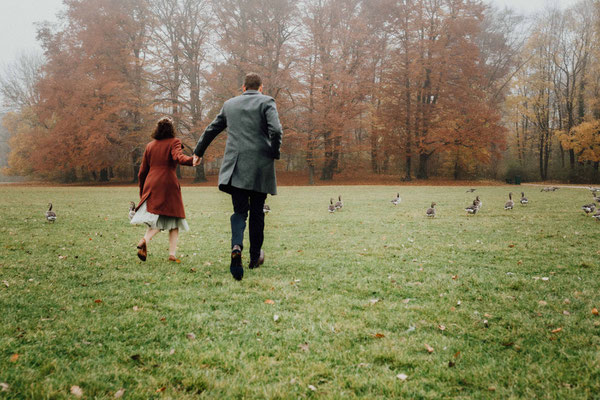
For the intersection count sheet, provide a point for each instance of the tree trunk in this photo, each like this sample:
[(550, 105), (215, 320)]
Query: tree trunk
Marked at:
[(422, 172), (311, 174), (200, 174), (104, 175)]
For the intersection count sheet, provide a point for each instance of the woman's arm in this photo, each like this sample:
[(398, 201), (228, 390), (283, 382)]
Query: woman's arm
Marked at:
[(144, 168), (177, 153)]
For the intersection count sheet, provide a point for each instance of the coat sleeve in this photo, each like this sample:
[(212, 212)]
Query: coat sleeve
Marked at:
[(144, 168), (211, 132), (274, 128), (177, 153)]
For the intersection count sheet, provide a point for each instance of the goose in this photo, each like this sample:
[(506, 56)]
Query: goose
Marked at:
[(397, 200), (477, 202), (588, 208), (510, 203), (339, 204), (50, 215), (597, 215), (524, 200), (131, 210), (266, 209), (596, 197), (470, 190), (473, 208), (331, 206), (431, 210)]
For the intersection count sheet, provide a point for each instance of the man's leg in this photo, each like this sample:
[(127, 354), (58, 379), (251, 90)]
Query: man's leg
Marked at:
[(257, 224), (240, 202), (239, 198)]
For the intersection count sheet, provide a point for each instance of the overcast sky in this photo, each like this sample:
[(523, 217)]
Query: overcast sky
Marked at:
[(17, 29)]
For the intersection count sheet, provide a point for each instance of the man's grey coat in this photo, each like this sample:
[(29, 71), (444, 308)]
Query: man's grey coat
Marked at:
[(253, 142)]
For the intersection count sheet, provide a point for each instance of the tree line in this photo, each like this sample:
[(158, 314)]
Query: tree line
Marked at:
[(414, 88)]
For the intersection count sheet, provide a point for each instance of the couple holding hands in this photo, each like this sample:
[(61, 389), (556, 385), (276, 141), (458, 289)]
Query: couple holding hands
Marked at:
[(247, 173)]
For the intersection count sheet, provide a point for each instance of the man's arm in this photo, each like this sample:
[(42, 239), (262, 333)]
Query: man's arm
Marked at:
[(210, 133), (274, 128)]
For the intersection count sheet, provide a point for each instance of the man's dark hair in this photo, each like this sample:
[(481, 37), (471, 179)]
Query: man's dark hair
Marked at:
[(252, 81), (164, 129)]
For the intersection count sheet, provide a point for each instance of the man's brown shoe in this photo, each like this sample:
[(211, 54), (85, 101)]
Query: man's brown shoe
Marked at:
[(259, 262), (142, 250)]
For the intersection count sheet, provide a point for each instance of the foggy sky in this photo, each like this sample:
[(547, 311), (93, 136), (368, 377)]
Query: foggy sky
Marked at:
[(17, 30)]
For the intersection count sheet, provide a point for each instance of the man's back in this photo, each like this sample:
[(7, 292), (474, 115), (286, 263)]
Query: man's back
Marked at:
[(248, 124), (253, 142)]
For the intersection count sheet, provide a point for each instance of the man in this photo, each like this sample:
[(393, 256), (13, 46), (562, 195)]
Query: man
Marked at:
[(248, 169)]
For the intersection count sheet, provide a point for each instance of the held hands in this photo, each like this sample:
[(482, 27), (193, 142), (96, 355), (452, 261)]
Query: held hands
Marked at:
[(196, 160)]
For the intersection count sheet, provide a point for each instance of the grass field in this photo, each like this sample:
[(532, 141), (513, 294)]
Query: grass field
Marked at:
[(374, 301)]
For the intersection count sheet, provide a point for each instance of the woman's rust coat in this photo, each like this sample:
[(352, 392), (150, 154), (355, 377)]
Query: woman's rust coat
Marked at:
[(159, 186)]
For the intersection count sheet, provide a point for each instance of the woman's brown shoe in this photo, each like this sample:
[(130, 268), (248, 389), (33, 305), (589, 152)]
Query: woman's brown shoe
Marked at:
[(142, 249), (174, 259)]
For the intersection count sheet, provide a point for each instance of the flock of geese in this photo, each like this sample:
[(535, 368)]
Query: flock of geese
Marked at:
[(471, 209)]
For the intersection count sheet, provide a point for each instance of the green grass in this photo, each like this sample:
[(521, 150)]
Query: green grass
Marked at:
[(358, 294)]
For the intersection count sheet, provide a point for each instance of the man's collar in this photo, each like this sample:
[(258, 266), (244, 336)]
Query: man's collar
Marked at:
[(248, 92)]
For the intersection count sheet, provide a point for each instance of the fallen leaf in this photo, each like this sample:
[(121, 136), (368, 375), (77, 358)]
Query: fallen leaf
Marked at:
[(485, 323), (457, 354), (269, 301), (542, 303), (162, 389), (451, 364), (455, 277), (402, 377), (135, 308), (511, 245), (379, 335), (172, 351), (492, 389), (76, 391), (595, 311), (163, 319), (520, 262), (119, 393), (97, 301), (14, 358), (311, 387), (405, 301), (441, 327), (303, 346), (556, 330), (565, 312), (374, 301), (487, 315), (4, 387), (190, 336), (276, 318), (428, 348), (193, 269), (567, 301), (5, 283)]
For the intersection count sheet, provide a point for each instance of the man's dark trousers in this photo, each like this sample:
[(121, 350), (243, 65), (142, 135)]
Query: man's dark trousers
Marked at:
[(244, 201)]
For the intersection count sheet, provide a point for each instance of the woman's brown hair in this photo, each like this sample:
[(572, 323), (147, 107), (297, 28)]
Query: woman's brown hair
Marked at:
[(164, 129)]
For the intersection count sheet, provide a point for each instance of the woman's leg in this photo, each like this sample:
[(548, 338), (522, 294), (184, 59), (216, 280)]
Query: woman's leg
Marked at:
[(173, 237), (150, 234)]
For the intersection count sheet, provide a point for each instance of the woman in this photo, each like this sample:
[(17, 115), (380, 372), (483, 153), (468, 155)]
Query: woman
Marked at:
[(161, 206)]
